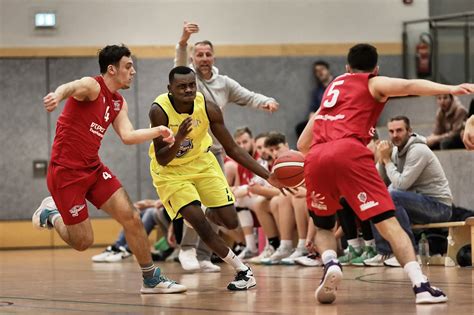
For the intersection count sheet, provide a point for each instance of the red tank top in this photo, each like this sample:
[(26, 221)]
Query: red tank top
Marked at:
[(347, 110), (81, 127), (245, 175)]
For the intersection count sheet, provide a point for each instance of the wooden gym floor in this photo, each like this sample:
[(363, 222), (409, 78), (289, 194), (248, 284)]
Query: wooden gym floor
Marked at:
[(63, 281)]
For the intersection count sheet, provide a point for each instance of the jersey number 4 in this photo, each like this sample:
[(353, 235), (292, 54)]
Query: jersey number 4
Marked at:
[(333, 94), (107, 114)]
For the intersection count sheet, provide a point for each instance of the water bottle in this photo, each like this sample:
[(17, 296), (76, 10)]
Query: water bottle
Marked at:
[(424, 250)]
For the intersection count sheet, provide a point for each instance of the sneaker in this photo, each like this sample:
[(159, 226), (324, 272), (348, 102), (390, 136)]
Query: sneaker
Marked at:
[(244, 280), (392, 262), (267, 252), (247, 254), (122, 254), (426, 294), (326, 292), (376, 261), (41, 215), (188, 259), (277, 256), (368, 252), (350, 254), (208, 266), (311, 260), (174, 256), (110, 250), (161, 284), (297, 253)]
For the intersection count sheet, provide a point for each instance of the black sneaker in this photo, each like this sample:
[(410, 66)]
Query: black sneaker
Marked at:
[(426, 294)]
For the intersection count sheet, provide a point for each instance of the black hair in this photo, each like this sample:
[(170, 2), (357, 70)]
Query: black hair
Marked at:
[(261, 135), (363, 57), (111, 55), (321, 63), (405, 119), (179, 70), (274, 138)]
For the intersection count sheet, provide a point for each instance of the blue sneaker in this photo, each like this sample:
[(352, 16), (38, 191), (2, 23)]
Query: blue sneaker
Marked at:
[(41, 215), (426, 294), (161, 284), (326, 292)]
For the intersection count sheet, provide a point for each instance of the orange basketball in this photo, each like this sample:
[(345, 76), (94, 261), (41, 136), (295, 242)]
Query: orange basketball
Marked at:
[(289, 169)]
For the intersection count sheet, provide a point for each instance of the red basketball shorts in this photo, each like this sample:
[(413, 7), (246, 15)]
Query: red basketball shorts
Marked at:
[(344, 168), (70, 188)]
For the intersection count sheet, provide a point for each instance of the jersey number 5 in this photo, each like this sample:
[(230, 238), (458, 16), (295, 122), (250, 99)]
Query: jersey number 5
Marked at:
[(333, 93)]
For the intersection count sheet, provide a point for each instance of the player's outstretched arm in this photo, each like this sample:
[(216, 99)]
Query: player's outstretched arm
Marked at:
[(164, 152), (124, 128), (384, 87), (85, 89)]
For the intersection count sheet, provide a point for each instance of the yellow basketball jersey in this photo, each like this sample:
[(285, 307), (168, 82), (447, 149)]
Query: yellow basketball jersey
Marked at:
[(197, 142)]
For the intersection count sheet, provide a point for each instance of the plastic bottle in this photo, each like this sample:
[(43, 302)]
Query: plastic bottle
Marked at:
[(424, 250)]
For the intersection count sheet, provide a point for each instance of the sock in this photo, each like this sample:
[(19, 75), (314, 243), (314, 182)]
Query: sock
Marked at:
[(53, 217), (274, 241), (328, 255), (370, 243), (286, 244), (414, 272), (250, 242), (354, 243), (234, 261), (301, 243), (148, 270)]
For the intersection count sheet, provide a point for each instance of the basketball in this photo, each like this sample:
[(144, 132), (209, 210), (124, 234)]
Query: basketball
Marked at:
[(289, 169)]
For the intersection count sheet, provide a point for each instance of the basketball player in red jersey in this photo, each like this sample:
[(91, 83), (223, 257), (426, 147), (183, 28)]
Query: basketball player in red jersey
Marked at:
[(338, 164), (76, 172)]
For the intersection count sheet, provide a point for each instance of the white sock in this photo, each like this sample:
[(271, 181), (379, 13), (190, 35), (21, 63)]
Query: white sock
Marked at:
[(234, 261), (414, 272), (54, 218), (301, 243), (286, 244), (328, 255), (354, 243), (250, 242), (370, 243)]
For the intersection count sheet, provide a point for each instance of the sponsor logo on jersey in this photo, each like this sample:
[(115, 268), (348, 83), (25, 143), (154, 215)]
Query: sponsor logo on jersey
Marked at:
[(317, 201), (116, 105), (184, 147), (97, 129), (372, 132), (330, 117), (196, 122), (75, 210), (362, 196)]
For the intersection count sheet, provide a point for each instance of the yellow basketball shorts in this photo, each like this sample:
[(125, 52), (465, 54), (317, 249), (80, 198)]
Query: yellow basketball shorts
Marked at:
[(201, 179)]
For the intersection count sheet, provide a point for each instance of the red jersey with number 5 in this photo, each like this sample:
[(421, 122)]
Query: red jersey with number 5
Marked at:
[(348, 110), (81, 127)]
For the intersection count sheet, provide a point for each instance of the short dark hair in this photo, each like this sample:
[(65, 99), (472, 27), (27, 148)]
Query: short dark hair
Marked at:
[(205, 43), (261, 135), (242, 130), (363, 57), (321, 63), (405, 119), (274, 138), (179, 70), (111, 55)]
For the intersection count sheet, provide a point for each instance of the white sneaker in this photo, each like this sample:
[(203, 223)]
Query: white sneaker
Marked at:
[(267, 252), (247, 254), (311, 260), (297, 253), (122, 254), (326, 292), (208, 266), (41, 215), (110, 250), (188, 259), (244, 280), (426, 294), (278, 255), (161, 284), (376, 261), (392, 262)]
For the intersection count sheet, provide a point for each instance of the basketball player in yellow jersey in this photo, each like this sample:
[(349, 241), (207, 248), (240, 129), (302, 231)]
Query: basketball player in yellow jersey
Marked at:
[(187, 173)]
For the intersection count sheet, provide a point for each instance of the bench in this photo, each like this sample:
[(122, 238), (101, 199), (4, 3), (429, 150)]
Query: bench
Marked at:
[(460, 234)]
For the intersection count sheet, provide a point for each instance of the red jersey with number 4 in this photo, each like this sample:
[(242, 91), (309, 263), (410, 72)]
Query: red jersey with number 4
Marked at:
[(348, 110), (81, 127)]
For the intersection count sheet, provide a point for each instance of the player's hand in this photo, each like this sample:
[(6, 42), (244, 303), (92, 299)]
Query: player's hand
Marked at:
[(51, 101), (461, 89), (270, 107), (300, 192), (167, 134), (468, 137), (184, 129), (188, 29), (310, 246)]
